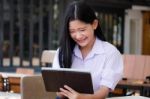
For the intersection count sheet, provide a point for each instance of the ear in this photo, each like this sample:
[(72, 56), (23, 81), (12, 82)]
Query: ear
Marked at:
[(95, 24)]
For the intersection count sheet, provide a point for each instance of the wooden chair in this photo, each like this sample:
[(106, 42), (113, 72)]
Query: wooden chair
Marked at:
[(138, 70), (136, 67), (47, 56), (32, 87), (133, 69), (129, 63)]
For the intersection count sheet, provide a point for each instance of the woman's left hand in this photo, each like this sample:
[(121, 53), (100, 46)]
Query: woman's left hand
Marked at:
[(69, 92)]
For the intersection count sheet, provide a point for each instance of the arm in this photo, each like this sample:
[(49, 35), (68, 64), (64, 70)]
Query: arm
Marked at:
[(72, 94)]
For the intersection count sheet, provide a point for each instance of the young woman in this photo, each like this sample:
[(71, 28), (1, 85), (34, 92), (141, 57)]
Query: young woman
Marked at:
[(83, 46)]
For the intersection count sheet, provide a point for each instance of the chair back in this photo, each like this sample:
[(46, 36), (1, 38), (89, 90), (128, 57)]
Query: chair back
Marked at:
[(32, 87), (48, 56)]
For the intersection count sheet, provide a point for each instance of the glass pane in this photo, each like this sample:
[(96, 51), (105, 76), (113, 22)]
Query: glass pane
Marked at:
[(111, 24), (6, 28)]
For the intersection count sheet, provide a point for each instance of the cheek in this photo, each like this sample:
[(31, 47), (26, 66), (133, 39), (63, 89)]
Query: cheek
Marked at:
[(90, 33), (72, 36)]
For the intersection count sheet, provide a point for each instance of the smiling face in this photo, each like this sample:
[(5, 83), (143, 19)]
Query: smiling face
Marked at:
[(82, 33)]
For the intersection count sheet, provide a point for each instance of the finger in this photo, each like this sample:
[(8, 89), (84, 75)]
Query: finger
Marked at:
[(69, 96), (57, 93), (70, 89), (65, 92)]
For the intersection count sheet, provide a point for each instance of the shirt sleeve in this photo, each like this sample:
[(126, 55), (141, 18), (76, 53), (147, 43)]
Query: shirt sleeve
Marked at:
[(113, 70), (56, 60)]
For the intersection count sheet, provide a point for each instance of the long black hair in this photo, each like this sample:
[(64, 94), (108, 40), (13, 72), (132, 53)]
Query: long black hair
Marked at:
[(75, 11)]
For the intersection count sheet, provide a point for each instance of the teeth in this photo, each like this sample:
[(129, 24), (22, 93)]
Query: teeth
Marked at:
[(81, 40)]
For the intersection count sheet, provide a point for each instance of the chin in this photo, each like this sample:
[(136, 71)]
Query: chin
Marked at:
[(82, 45)]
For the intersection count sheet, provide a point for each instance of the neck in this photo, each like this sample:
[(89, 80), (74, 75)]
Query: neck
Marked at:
[(85, 50)]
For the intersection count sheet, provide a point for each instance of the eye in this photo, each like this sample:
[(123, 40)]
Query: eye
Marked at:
[(82, 30), (72, 32)]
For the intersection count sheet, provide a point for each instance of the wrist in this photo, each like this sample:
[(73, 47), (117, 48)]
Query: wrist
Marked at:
[(85, 96)]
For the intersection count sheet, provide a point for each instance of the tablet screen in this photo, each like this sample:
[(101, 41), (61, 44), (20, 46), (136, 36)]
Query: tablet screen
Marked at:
[(78, 80)]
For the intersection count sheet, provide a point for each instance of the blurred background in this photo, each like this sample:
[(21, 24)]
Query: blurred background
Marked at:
[(27, 27)]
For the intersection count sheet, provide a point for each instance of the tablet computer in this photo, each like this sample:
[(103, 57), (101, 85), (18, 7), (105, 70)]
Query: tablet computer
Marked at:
[(54, 79)]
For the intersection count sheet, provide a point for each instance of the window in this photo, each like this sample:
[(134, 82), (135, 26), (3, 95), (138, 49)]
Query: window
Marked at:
[(27, 27)]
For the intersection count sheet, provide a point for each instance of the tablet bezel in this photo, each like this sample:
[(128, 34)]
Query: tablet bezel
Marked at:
[(79, 80)]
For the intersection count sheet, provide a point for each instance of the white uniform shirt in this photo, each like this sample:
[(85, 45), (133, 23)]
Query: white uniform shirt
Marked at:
[(104, 62)]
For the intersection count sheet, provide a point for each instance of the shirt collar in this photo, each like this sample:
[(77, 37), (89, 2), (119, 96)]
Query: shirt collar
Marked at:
[(77, 51), (97, 49)]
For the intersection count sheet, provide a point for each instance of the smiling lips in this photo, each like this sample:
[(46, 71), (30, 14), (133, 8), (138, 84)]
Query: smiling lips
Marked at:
[(81, 41)]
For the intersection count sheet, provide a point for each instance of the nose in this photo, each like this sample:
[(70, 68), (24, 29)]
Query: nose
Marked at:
[(78, 35)]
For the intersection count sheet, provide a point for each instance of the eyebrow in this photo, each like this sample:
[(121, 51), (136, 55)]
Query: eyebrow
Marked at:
[(78, 28)]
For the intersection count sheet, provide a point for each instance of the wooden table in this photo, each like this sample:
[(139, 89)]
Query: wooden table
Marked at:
[(146, 90), (134, 85), (6, 95), (14, 81), (130, 97)]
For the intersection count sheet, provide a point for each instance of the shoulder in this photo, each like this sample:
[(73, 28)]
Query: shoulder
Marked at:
[(109, 47), (103, 47), (109, 50)]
